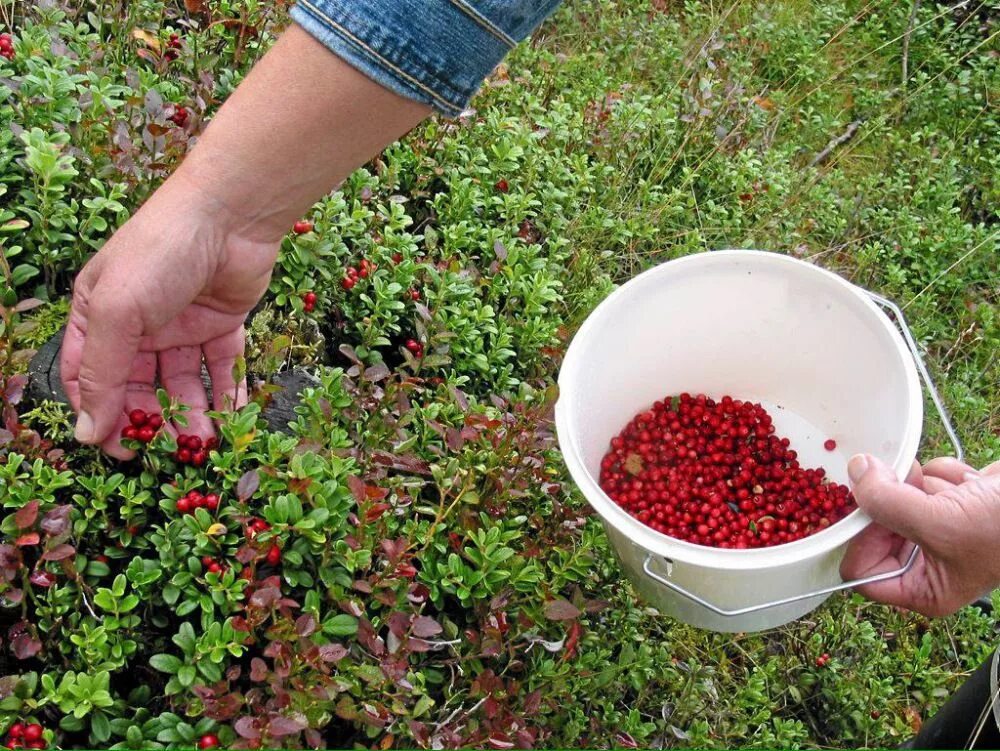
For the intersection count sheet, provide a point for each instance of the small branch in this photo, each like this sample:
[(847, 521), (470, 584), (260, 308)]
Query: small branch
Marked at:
[(906, 40), (837, 142)]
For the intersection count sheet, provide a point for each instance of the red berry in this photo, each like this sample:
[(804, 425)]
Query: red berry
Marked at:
[(11, 743), (206, 560), (414, 294), (214, 568), (194, 442), (130, 433), (183, 505), (309, 298), (211, 501), (829, 444), (209, 740), (302, 227), (397, 257), (101, 558), (875, 714), (155, 421), (180, 116), (137, 417), (198, 458), (502, 186), (211, 443), (413, 345), (17, 729), (146, 434), (274, 555), (33, 732), (347, 282), (246, 573), (183, 456)]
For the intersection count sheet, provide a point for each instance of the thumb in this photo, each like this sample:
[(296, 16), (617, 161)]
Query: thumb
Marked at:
[(111, 342), (902, 508)]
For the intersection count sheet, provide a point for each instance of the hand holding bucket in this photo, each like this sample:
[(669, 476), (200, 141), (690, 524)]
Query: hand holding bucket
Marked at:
[(820, 353)]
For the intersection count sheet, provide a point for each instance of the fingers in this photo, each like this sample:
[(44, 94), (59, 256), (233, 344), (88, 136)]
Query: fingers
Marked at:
[(949, 469), (991, 469), (900, 507), (180, 375), (139, 394), (110, 325), (220, 357)]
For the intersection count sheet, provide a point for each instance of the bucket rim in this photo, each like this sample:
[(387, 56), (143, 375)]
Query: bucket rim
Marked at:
[(681, 551)]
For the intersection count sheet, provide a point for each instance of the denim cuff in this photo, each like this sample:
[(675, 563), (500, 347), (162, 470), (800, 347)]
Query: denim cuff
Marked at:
[(437, 52)]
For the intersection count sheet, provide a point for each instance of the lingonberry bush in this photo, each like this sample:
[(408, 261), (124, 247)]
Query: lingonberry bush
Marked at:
[(406, 564)]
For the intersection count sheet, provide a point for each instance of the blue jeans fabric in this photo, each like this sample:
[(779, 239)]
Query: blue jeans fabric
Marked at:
[(434, 51)]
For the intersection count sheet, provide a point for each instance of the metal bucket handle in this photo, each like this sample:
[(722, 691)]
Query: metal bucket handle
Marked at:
[(911, 343)]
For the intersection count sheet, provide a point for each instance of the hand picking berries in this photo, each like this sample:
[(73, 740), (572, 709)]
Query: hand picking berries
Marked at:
[(714, 473)]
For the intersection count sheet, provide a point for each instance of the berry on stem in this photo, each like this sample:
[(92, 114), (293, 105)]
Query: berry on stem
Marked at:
[(302, 226), (274, 555), (33, 732), (209, 740)]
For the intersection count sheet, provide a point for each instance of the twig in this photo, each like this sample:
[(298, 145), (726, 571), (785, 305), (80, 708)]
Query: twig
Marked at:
[(906, 40), (840, 140)]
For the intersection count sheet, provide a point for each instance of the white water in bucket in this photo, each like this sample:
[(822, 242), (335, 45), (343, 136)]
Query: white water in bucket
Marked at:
[(808, 345)]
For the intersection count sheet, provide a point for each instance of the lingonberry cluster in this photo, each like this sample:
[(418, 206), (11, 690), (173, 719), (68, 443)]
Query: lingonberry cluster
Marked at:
[(822, 660), (192, 450), (211, 565), (179, 116), (173, 45), (714, 473), (416, 348), (364, 270), (255, 526), (7, 46), (142, 426), (20, 735), (309, 302), (187, 504), (302, 226)]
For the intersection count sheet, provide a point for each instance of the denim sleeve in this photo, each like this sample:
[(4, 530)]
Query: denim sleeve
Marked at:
[(434, 51)]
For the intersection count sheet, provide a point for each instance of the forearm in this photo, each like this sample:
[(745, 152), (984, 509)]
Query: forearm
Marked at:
[(300, 123)]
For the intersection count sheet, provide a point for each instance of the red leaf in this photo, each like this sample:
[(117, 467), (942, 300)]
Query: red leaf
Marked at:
[(59, 552), (26, 515), (425, 626), (572, 639), (332, 652), (357, 487), (247, 728), (281, 726), (56, 521), (25, 646), (258, 669), (31, 538), (248, 485), (561, 610), (305, 625)]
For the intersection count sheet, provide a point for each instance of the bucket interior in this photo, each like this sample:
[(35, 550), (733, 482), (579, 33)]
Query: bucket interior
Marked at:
[(757, 326)]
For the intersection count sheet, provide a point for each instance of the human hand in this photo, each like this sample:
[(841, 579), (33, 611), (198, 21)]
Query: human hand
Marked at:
[(171, 287), (950, 509)]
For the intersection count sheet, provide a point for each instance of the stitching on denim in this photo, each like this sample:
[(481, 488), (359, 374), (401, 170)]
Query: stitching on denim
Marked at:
[(476, 16), (336, 26)]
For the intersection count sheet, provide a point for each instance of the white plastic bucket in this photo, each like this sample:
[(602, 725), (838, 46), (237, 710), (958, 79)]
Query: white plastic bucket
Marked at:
[(813, 348)]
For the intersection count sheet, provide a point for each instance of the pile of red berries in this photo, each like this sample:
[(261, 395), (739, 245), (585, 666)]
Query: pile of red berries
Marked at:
[(142, 426), (416, 348), (187, 504), (302, 226), (179, 116), (714, 473), (20, 735), (6, 46), (309, 302)]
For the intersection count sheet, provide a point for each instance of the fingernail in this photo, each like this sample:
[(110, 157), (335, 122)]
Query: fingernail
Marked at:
[(84, 432), (970, 476), (857, 467)]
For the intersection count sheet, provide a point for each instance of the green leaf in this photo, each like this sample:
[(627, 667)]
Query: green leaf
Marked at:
[(341, 624), (186, 675), (100, 726), (166, 663)]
